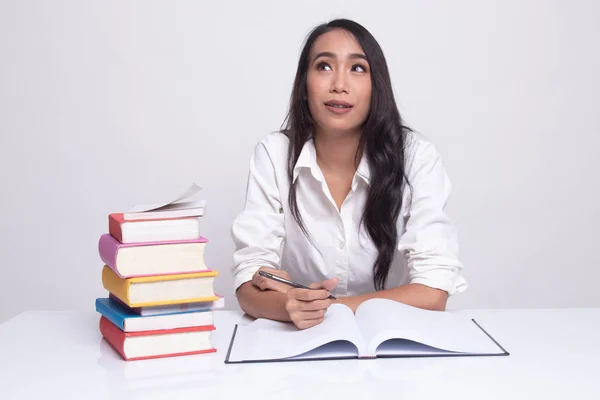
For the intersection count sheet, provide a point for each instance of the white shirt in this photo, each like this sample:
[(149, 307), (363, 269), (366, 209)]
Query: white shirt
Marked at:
[(266, 234)]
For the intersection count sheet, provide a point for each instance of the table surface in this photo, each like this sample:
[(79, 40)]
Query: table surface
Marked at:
[(554, 353)]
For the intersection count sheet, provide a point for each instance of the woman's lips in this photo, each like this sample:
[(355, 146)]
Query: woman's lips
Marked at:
[(338, 107)]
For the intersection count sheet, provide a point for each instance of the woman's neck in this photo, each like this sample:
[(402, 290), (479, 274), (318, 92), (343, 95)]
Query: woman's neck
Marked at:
[(337, 153)]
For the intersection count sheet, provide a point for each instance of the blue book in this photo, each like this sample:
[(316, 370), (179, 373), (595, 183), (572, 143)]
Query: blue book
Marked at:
[(129, 321)]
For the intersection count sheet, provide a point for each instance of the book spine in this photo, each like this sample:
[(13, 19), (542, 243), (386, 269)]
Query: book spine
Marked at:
[(117, 286), (110, 314), (115, 228), (108, 248), (113, 335)]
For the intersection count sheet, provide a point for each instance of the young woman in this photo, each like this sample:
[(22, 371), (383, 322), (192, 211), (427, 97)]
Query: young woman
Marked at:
[(345, 199)]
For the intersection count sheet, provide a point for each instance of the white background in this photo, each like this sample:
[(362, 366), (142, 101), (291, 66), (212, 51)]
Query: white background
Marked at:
[(107, 104)]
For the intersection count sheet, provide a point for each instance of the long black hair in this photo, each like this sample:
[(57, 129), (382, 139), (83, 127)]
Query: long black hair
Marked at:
[(382, 140)]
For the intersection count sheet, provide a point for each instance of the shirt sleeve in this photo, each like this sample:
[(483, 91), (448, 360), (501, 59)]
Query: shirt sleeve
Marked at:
[(430, 239), (258, 231)]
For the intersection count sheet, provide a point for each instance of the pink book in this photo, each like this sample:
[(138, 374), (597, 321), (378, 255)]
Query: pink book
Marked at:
[(153, 258)]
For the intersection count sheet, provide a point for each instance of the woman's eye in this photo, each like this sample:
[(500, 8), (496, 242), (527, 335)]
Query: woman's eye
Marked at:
[(359, 68), (323, 66)]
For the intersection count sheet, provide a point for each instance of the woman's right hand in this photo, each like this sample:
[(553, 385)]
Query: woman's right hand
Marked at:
[(269, 284), (307, 307)]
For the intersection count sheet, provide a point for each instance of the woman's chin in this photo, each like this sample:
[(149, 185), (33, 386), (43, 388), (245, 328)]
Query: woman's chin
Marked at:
[(338, 128)]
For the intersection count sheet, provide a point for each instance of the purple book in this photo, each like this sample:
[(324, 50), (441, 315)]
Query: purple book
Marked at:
[(173, 308)]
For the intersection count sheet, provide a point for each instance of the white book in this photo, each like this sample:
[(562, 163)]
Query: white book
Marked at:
[(179, 308), (379, 328), (172, 321)]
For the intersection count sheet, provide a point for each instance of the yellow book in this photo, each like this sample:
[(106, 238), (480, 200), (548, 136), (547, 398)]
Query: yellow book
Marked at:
[(162, 289)]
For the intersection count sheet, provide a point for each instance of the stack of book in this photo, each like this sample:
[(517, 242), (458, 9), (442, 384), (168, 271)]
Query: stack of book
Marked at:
[(161, 296)]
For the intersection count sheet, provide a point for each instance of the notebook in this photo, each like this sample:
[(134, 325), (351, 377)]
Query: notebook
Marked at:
[(379, 328)]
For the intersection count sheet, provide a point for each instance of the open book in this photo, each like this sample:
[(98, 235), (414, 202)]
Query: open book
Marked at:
[(181, 207), (380, 328)]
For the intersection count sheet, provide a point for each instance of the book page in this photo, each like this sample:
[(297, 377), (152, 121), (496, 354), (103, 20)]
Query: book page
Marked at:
[(265, 339), (189, 192), (408, 347), (338, 349), (182, 205), (382, 319)]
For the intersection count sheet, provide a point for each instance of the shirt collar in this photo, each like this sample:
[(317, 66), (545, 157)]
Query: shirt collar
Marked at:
[(308, 159), (363, 169)]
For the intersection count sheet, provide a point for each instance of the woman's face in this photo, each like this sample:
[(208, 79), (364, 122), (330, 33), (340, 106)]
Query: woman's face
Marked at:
[(338, 84)]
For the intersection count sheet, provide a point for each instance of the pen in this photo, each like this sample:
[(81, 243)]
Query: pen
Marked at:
[(290, 283)]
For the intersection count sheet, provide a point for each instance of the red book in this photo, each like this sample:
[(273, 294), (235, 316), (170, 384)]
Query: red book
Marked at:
[(153, 230), (156, 344)]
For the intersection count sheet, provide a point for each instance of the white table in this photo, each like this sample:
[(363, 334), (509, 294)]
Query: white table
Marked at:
[(555, 354)]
